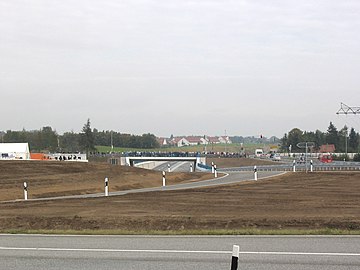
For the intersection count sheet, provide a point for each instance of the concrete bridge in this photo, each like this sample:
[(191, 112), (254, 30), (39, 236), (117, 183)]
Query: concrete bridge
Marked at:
[(131, 161)]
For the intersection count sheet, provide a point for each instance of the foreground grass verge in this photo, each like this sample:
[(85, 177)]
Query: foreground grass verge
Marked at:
[(324, 231)]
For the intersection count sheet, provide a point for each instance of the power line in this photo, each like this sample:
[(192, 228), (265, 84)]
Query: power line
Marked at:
[(345, 109)]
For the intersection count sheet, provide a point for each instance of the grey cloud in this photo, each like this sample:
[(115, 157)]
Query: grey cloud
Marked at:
[(246, 65)]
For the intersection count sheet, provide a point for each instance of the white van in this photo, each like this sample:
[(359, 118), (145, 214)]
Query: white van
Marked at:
[(258, 152)]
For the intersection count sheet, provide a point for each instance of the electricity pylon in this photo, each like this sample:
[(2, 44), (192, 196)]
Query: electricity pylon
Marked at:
[(345, 109)]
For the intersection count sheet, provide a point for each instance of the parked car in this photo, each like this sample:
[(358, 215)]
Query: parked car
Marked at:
[(301, 159), (275, 157), (326, 158)]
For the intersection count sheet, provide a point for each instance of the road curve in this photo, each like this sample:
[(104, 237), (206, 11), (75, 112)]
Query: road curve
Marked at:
[(228, 178), (42, 252)]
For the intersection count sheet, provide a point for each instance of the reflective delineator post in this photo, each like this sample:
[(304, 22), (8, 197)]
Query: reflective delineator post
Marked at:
[(311, 166), (106, 186), (255, 173), (25, 191), (191, 167), (235, 257), (163, 178), (294, 166), (169, 168), (212, 167), (215, 171)]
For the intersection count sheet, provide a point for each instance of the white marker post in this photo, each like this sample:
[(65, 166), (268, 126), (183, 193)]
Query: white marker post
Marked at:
[(164, 180), (106, 187), (235, 257), (169, 168), (212, 167), (25, 191), (311, 166), (191, 167), (294, 166), (215, 171), (255, 173)]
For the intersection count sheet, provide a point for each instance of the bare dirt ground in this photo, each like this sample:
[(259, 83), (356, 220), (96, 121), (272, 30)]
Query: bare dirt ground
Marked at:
[(52, 178), (293, 200)]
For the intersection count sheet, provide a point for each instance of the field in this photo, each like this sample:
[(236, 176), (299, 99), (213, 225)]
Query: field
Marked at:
[(49, 179), (291, 201), (232, 148)]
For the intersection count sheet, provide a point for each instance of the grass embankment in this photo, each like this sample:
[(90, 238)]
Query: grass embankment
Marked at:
[(250, 231)]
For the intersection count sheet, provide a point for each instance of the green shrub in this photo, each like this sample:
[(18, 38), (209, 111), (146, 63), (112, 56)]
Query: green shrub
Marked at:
[(341, 157), (356, 157)]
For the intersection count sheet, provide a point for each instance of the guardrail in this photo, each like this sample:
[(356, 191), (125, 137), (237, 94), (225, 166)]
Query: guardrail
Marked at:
[(299, 167)]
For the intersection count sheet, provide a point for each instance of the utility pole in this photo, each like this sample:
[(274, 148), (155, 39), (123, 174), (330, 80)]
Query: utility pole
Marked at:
[(111, 142), (225, 142), (346, 139)]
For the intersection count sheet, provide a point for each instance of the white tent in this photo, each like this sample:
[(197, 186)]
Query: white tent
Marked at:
[(14, 151)]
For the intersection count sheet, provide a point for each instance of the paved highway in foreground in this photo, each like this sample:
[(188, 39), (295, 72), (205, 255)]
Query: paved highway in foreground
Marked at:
[(42, 252)]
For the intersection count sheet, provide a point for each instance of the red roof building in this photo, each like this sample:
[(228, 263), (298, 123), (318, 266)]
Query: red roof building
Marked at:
[(327, 148)]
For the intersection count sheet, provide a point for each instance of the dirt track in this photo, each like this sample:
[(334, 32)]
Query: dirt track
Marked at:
[(295, 200)]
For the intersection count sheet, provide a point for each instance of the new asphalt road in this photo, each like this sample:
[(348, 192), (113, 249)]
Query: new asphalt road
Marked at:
[(42, 252), (228, 178)]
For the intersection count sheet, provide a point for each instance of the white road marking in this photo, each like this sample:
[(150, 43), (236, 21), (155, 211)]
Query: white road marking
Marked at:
[(115, 250), (300, 253), (182, 251)]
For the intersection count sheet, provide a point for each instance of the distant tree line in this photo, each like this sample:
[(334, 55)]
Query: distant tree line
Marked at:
[(47, 139), (342, 139)]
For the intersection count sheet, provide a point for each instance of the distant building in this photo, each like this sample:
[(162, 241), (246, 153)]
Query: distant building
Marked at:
[(14, 151), (163, 141), (224, 139), (182, 142), (193, 140), (327, 148), (212, 140), (175, 141)]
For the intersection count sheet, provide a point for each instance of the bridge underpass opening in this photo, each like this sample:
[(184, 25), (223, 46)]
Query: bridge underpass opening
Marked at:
[(131, 161)]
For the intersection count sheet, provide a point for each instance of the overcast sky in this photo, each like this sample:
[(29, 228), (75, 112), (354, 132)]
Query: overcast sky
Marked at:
[(179, 67)]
